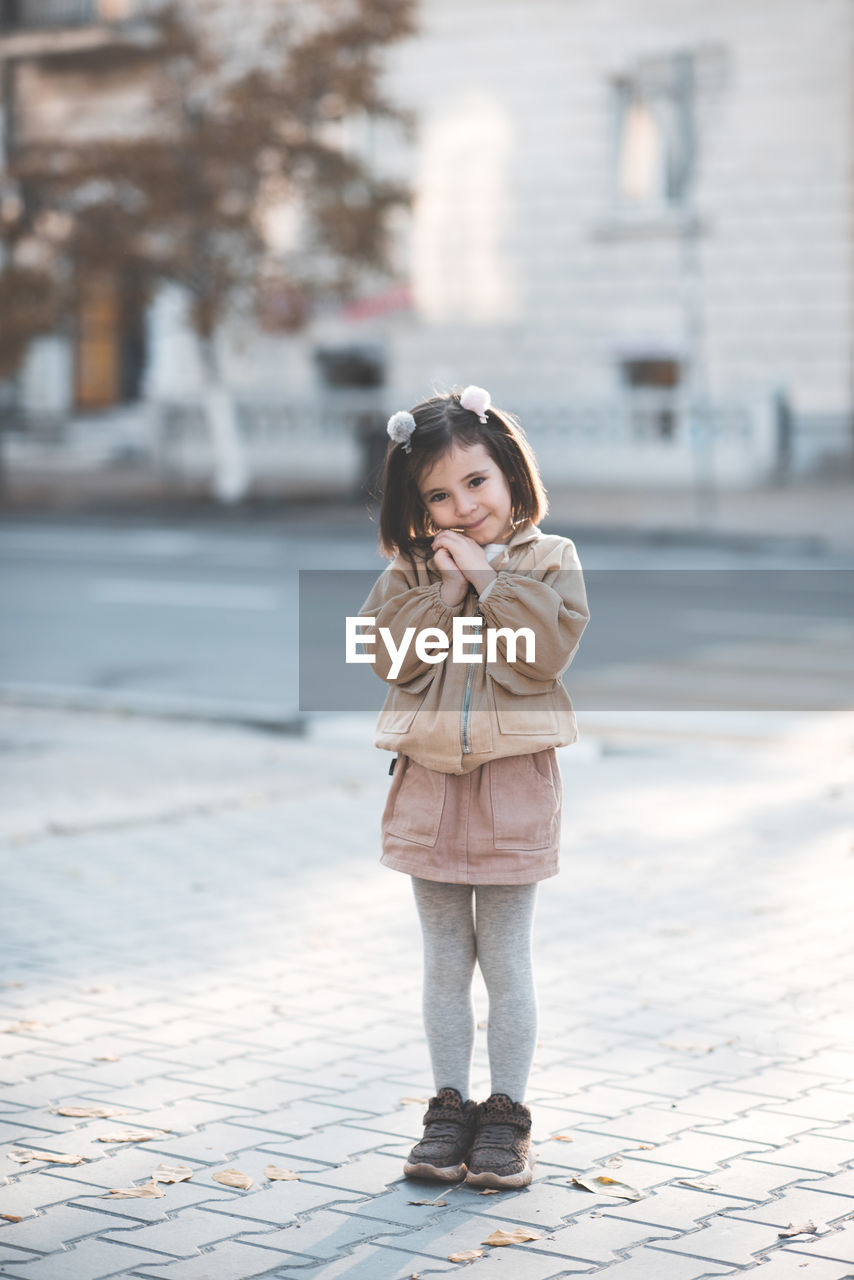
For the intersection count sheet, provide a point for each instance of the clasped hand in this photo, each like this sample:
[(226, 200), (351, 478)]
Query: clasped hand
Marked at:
[(461, 561)]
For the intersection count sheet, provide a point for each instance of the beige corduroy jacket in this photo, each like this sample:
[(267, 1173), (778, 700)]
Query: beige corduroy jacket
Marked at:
[(454, 716)]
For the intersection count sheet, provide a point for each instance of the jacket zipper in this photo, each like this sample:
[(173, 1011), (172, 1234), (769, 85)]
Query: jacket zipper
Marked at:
[(466, 704)]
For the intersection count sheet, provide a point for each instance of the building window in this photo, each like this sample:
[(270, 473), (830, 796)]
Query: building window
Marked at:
[(652, 385), (655, 134)]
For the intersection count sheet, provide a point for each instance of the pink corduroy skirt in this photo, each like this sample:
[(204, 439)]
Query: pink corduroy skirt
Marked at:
[(499, 824)]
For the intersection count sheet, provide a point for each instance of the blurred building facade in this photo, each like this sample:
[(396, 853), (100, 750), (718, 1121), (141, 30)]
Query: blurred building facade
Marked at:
[(632, 223)]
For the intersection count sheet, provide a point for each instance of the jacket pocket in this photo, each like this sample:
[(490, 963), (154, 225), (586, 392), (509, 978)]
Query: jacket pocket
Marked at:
[(525, 792), (400, 710), (414, 807), (533, 714)]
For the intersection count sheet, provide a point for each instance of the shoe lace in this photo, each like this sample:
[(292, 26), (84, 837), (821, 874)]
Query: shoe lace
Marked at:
[(498, 1131), (444, 1130)]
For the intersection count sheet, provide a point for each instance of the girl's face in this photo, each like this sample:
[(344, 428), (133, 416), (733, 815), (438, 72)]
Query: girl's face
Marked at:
[(466, 489)]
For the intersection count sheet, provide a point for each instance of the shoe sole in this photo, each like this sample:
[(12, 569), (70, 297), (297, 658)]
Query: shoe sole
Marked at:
[(453, 1173), (503, 1182)]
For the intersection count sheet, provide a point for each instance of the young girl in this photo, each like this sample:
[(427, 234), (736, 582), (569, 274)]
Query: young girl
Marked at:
[(473, 812)]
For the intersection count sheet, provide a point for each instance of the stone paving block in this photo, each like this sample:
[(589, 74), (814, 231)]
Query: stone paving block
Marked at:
[(218, 1141), (831, 1061), (837, 1245), (240, 1072), (785, 1082), (649, 1262), (370, 1173), (514, 1262), (762, 1125), (650, 1124), (300, 1119), (116, 1169), (545, 1205), (704, 1151), (30, 1192), (796, 1204), (57, 1226), (332, 1145), (189, 1114), (275, 1203), (10, 1257), (781, 1265), (181, 1236), (179, 1195), (364, 1262), (325, 1234), (89, 1260), (588, 1240), (608, 1101), (672, 1205), (638, 1171), (755, 1180), (813, 1151), (231, 1260), (839, 1184), (670, 1081), (722, 1102), (197, 1053), (394, 1205), (265, 1095), (727, 1240)]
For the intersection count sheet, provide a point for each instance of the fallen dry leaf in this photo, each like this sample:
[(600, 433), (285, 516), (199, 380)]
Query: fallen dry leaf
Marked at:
[(107, 1057), (133, 1135), (562, 1137), (23, 1155), (275, 1174), (27, 1025), (600, 1182), (483, 1024), (172, 1173), (148, 1191), (437, 1203), (808, 1228), (490, 1191), (646, 1146), (101, 1113), (519, 1235), (417, 1100), (467, 1255), (12, 1217), (233, 1178), (698, 1184)]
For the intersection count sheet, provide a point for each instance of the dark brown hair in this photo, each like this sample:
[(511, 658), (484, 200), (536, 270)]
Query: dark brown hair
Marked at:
[(440, 423)]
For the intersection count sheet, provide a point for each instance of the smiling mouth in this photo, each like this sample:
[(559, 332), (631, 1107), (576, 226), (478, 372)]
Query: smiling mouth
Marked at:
[(466, 528)]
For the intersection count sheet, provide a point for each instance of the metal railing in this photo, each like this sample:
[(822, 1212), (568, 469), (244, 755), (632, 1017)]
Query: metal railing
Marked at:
[(21, 15)]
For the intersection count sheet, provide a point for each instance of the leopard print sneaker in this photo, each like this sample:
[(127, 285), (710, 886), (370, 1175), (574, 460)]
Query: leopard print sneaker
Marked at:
[(501, 1156), (448, 1134)]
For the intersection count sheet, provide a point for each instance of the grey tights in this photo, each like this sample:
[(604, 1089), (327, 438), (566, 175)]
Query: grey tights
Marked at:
[(498, 937)]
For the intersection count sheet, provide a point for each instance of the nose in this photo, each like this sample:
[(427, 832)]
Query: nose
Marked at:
[(466, 503)]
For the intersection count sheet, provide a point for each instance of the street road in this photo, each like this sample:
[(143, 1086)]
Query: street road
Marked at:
[(203, 616)]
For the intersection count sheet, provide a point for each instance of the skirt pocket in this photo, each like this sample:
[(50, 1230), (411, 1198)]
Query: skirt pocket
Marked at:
[(415, 805), (526, 801)]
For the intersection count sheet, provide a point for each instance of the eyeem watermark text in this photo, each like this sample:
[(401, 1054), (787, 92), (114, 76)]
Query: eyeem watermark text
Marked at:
[(432, 643)]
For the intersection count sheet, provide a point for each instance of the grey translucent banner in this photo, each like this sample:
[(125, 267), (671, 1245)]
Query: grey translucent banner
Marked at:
[(674, 639)]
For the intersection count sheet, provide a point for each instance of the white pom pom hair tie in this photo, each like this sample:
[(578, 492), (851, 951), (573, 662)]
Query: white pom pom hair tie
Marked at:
[(402, 424), (400, 427), (476, 399)]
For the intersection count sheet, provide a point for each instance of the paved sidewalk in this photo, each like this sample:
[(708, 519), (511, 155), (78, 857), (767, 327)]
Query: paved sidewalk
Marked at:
[(196, 932)]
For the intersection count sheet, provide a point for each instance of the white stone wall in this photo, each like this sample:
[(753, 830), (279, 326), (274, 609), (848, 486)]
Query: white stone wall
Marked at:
[(525, 275), (572, 284)]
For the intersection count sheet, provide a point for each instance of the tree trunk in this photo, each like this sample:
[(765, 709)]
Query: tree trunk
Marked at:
[(230, 464)]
